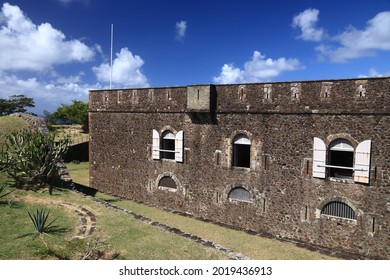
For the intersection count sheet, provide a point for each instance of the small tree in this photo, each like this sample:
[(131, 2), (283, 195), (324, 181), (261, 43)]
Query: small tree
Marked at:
[(15, 104), (76, 113), (31, 159)]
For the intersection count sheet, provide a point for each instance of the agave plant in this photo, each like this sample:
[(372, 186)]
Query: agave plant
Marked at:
[(40, 222)]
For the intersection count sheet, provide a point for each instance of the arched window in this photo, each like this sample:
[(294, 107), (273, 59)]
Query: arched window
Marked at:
[(341, 160), (168, 145), (340, 156), (239, 193), (338, 209), (241, 151), (167, 182)]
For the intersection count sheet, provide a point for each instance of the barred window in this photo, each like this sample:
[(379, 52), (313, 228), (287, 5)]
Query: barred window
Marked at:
[(338, 209), (239, 193)]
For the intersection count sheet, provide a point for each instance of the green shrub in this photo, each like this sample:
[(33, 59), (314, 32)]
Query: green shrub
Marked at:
[(32, 159)]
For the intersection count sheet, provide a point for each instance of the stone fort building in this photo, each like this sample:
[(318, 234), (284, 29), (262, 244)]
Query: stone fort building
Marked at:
[(305, 161)]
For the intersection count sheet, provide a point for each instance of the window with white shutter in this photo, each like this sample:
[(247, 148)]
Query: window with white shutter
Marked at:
[(362, 162), (156, 145), (179, 146), (319, 158), (342, 160)]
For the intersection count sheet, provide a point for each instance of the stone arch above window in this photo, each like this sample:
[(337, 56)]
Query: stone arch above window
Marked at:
[(240, 193), (344, 136)]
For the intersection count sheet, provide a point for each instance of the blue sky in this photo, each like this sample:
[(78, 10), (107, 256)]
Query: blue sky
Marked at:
[(56, 50)]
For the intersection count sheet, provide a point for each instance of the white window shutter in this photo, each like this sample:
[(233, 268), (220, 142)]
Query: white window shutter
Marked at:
[(156, 145), (319, 158), (179, 146), (362, 162)]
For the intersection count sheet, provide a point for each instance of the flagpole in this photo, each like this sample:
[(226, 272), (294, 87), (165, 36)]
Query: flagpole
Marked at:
[(112, 43)]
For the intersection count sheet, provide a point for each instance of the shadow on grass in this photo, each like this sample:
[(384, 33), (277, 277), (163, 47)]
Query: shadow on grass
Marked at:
[(84, 189), (54, 230), (92, 192)]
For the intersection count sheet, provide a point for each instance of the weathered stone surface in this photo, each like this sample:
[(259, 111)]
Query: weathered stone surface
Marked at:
[(280, 120)]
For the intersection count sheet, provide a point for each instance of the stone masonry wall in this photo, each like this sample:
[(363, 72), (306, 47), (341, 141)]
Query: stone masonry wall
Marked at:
[(280, 120)]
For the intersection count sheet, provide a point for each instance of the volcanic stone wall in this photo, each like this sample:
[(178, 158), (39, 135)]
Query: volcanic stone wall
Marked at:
[(280, 120)]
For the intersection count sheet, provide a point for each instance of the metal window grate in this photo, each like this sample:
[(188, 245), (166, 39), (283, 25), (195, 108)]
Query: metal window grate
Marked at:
[(239, 193), (339, 209)]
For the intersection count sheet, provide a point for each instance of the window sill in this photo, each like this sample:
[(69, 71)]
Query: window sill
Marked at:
[(247, 169), (239, 200), (341, 180), (168, 160), (167, 189), (339, 219)]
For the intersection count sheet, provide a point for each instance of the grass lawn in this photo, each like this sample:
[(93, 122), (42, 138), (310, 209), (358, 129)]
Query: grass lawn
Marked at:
[(255, 247), (79, 172), (114, 233), (17, 233)]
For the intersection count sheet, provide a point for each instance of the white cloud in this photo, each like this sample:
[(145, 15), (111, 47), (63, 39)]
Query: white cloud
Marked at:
[(256, 70), (126, 70), (350, 44), (229, 75), (181, 28), (373, 73), (47, 96), (354, 43), (26, 46), (307, 21)]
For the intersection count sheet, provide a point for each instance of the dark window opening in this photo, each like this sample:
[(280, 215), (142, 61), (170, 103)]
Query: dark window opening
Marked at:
[(339, 210), (167, 182), (168, 145), (241, 152), (239, 193), (341, 154)]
